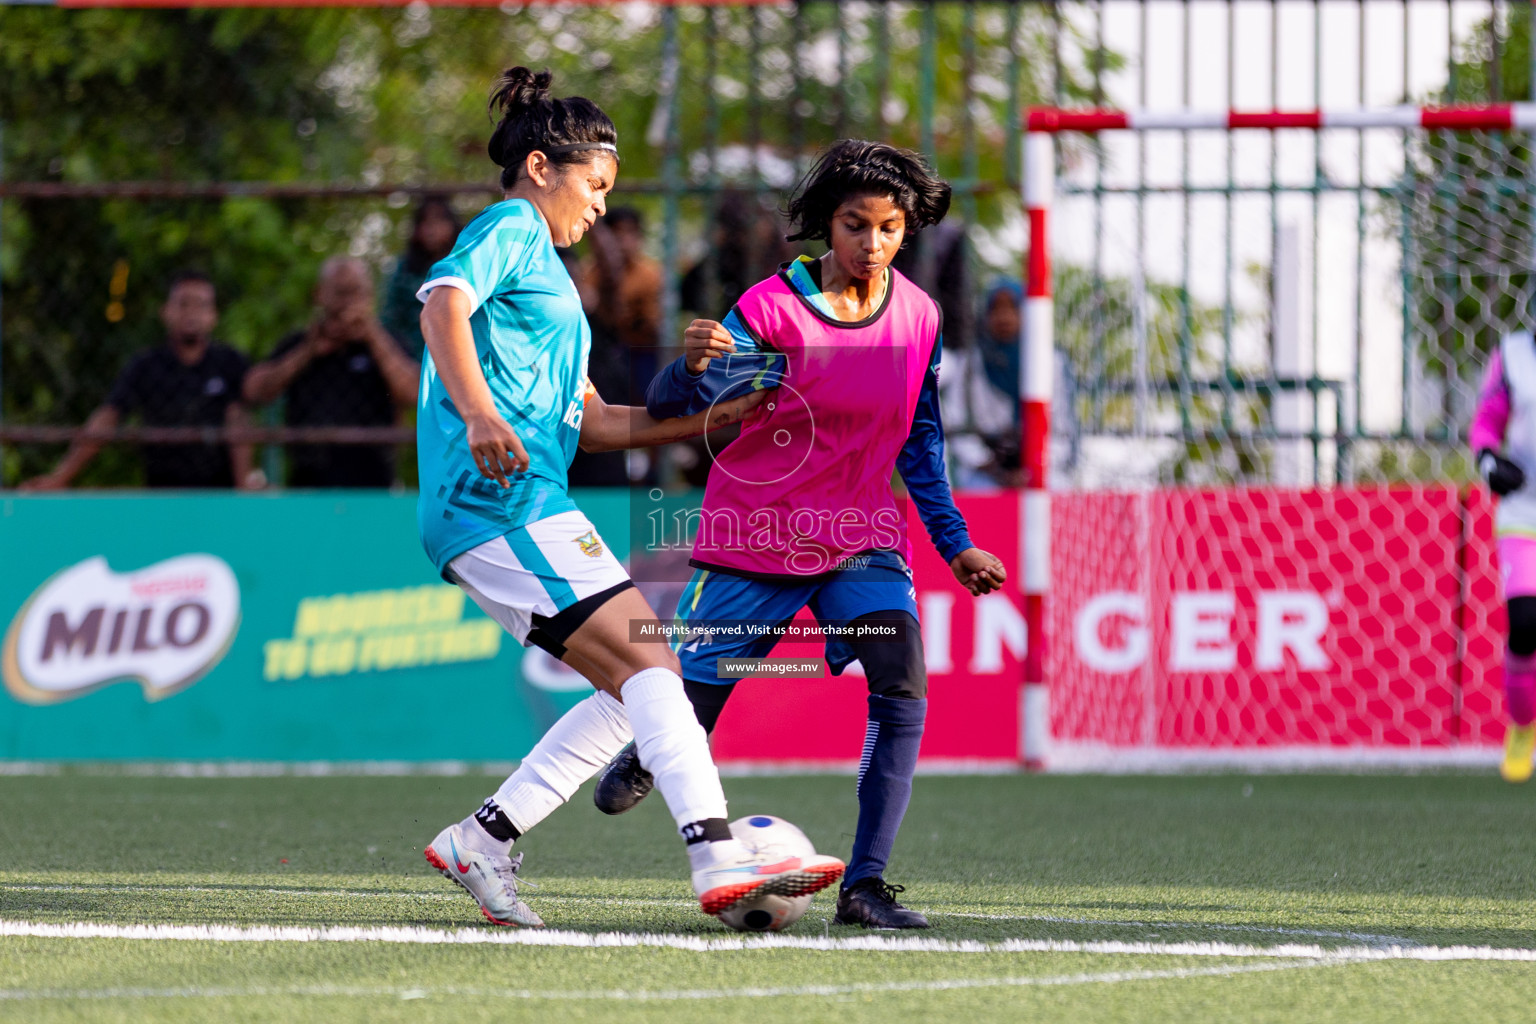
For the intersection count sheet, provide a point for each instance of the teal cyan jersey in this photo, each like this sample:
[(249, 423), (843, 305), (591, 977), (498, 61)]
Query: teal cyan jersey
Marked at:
[(533, 340)]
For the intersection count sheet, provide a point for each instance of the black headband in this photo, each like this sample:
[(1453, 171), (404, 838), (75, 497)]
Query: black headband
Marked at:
[(575, 146)]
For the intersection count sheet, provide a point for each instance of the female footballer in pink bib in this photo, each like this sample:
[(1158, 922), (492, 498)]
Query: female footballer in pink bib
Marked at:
[(799, 511), (1503, 435)]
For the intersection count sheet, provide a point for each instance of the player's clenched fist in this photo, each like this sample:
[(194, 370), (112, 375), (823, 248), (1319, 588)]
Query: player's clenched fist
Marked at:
[(978, 571), (705, 340), (498, 451)]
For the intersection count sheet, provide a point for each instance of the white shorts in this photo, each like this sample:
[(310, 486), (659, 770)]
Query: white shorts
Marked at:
[(535, 580)]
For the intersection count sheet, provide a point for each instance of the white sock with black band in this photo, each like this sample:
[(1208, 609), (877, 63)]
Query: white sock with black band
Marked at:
[(573, 750), (674, 748)]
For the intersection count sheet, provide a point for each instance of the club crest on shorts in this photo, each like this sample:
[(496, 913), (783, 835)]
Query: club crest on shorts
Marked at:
[(590, 544)]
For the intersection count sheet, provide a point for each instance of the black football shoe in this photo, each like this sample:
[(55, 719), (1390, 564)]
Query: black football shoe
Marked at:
[(871, 902), (623, 783)]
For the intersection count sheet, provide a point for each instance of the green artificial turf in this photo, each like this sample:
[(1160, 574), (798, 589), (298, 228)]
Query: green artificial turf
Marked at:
[(1347, 863)]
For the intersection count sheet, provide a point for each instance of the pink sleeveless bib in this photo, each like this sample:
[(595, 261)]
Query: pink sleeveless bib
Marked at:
[(808, 482)]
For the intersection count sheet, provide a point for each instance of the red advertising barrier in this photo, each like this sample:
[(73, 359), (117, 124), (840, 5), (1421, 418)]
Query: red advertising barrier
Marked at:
[(1336, 622), (1254, 619), (1483, 628)]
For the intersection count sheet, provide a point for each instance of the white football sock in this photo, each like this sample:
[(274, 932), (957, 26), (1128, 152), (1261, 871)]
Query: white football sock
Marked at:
[(706, 855), (673, 746), (573, 750)]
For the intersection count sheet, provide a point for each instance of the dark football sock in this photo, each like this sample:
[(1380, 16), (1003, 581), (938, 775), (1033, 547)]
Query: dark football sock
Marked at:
[(709, 830), (885, 781), (708, 700)]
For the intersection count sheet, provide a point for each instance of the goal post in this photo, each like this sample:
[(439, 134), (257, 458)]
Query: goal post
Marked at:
[(1269, 326)]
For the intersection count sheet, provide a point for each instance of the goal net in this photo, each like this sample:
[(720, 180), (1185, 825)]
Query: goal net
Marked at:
[(1267, 338)]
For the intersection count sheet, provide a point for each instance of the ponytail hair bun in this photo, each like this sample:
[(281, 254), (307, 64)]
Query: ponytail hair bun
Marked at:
[(568, 130)]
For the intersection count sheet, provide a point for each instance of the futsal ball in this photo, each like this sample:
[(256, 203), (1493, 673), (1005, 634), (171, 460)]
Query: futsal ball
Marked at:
[(778, 838)]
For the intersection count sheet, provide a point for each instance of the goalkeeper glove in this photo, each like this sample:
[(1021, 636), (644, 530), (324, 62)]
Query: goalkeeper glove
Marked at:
[(1502, 475)]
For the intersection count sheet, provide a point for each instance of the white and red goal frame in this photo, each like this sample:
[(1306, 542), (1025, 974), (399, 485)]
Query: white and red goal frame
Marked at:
[(1471, 560)]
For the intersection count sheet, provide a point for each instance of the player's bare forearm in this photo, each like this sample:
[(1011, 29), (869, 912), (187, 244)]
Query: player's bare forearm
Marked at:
[(445, 326), (494, 445), (607, 428)]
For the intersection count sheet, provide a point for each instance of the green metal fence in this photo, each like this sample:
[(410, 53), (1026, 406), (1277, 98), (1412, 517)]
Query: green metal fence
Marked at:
[(719, 109), (1202, 293)]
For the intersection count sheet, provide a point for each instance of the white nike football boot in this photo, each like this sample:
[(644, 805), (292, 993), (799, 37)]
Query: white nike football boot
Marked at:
[(744, 875), (490, 877)]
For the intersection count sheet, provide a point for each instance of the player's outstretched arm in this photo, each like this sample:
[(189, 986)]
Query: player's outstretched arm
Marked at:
[(497, 450), (607, 428)]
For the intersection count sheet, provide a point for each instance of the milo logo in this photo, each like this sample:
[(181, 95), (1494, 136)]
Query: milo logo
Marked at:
[(163, 626)]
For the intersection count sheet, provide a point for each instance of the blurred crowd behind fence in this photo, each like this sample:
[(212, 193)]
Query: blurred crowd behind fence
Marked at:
[(1286, 307), (255, 145)]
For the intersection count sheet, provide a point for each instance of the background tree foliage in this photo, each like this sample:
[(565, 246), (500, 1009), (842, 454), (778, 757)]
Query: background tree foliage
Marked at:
[(369, 96)]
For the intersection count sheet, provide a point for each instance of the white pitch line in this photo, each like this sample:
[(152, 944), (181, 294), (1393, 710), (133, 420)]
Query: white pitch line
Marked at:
[(1254, 929), (715, 944), (1315, 933), (657, 995), (1367, 938)]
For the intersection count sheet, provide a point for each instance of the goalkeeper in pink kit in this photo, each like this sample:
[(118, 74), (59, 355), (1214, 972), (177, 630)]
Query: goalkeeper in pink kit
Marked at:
[(1503, 436)]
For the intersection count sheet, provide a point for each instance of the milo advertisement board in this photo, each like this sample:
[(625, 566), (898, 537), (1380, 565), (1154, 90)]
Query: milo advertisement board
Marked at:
[(283, 627)]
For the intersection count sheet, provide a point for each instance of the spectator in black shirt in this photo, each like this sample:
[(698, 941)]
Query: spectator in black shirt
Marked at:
[(343, 370), (190, 381)]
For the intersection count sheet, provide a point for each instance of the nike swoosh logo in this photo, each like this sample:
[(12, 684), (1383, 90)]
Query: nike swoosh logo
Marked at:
[(463, 868), (770, 869)]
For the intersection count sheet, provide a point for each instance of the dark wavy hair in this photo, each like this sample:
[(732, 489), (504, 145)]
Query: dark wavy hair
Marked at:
[(852, 168), (568, 131)]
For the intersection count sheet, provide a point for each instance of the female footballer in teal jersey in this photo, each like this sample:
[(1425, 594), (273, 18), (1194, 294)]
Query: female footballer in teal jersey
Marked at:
[(507, 342)]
